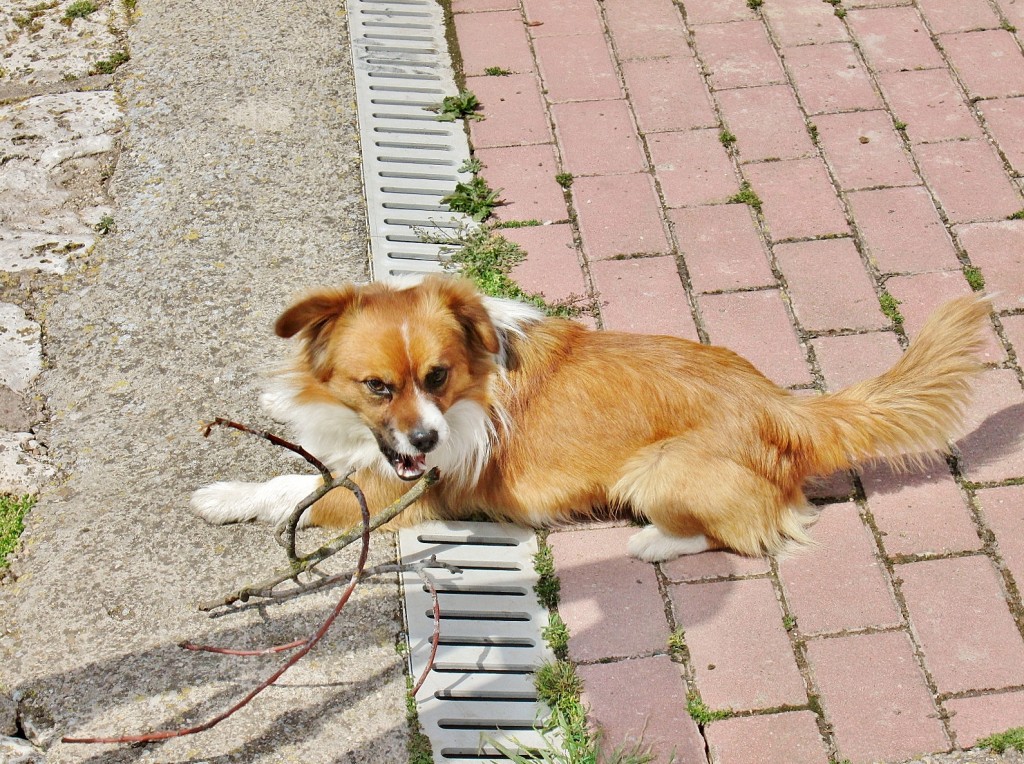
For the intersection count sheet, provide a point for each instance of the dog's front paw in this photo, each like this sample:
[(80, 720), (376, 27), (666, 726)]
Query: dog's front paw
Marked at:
[(225, 502), (653, 545), (271, 502)]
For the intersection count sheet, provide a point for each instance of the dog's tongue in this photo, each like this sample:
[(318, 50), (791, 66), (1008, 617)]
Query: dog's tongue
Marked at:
[(410, 467)]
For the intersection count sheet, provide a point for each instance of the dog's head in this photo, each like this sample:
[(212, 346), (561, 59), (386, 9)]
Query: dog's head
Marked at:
[(400, 358)]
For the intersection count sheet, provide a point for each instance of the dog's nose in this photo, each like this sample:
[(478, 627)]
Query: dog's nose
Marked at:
[(423, 439)]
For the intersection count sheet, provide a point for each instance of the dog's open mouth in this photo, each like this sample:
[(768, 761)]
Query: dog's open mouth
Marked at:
[(405, 466)]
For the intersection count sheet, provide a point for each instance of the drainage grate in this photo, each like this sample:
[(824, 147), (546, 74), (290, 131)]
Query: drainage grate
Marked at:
[(410, 160), (481, 687)]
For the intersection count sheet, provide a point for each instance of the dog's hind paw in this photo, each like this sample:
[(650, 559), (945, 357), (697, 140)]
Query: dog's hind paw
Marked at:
[(654, 545)]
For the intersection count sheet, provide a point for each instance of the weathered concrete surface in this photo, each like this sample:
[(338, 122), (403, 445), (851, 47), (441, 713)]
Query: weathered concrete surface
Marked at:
[(237, 187)]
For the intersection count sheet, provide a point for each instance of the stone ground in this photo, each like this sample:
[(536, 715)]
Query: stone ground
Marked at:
[(883, 142), (227, 160)]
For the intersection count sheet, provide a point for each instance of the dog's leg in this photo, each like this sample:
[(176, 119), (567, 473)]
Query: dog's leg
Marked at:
[(271, 501), (699, 500)]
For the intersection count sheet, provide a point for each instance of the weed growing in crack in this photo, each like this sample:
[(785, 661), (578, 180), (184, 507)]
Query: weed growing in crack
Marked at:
[(746, 195), (974, 277), (676, 641), (105, 226), (465, 105), (474, 198), (487, 258), (109, 65), (12, 522), (556, 634), (890, 307), (79, 9), (548, 586), (700, 712)]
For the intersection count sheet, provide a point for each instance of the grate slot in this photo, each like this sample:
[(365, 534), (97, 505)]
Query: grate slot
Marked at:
[(492, 725), (486, 697), (439, 538), (451, 614)]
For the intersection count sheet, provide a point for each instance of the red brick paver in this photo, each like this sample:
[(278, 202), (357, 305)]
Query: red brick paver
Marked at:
[(643, 701), (875, 694), (791, 737), (969, 642), (885, 147), (839, 584), (742, 669)]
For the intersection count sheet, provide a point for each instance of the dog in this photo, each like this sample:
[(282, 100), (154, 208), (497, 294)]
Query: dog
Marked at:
[(539, 420)]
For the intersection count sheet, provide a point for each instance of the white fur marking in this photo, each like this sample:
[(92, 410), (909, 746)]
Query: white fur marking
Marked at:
[(272, 501), (654, 545), (461, 456)]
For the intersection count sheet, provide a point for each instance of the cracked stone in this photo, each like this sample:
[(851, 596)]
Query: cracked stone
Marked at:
[(21, 351)]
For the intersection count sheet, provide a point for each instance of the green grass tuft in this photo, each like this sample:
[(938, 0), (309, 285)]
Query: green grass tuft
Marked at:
[(974, 277), (1018, 215), (548, 586), (497, 71), (110, 65), (701, 714), (754, 4), (999, 743), (487, 258), (556, 634), (518, 224), (890, 307), (677, 641), (564, 179), (79, 10), (746, 195), (12, 522), (727, 138)]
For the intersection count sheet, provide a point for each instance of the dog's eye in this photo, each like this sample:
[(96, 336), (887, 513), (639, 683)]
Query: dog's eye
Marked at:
[(436, 378), (377, 386)]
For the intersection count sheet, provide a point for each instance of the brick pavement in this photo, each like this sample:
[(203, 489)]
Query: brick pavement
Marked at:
[(883, 141)]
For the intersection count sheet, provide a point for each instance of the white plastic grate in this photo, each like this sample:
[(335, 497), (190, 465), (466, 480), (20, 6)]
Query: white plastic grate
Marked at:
[(410, 159), (481, 687)]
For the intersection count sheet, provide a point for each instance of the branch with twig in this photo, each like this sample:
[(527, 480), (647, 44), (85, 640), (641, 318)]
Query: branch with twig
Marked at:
[(286, 535)]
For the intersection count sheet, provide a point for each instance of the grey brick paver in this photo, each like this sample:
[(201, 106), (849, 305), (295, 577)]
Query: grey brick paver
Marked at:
[(878, 168)]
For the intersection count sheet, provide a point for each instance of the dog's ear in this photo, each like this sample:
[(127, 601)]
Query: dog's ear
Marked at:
[(313, 316), (466, 303)]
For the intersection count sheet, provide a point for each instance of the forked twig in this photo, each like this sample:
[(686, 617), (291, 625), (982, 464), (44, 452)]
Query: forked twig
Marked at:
[(305, 648), (300, 565)]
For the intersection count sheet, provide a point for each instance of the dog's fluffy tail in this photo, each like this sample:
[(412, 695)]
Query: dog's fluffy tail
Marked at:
[(910, 411)]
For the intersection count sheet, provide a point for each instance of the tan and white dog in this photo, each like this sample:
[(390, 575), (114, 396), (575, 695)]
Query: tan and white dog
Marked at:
[(539, 420)]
